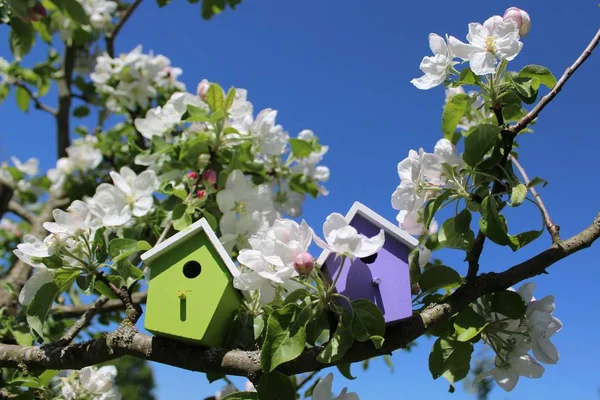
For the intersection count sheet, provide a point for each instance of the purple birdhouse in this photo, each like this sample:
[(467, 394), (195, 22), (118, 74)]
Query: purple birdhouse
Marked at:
[(382, 278)]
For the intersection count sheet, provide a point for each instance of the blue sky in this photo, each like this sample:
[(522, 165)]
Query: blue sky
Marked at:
[(342, 69)]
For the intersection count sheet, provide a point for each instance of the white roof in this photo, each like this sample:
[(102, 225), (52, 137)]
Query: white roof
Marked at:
[(377, 220), (198, 226)]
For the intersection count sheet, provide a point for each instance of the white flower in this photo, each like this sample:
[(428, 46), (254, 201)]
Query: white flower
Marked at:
[(78, 219), (506, 374), (29, 167), (162, 119), (448, 153), (322, 391), (435, 68), (272, 139), (416, 172), (91, 383), (241, 112), (413, 222), (495, 39), (344, 239), (308, 165), (130, 195), (10, 227), (236, 228)]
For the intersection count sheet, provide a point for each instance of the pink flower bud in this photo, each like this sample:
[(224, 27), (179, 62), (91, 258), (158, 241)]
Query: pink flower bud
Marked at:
[(201, 194), (216, 187), (192, 175), (520, 17), (210, 176), (304, 263), (202, 89)]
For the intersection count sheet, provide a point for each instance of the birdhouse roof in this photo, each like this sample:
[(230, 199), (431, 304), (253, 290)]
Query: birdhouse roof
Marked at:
[(197, 227), (380, 222)]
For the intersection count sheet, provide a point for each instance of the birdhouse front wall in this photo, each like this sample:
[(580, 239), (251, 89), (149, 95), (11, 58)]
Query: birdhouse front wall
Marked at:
[(190, 304), (385, 282)]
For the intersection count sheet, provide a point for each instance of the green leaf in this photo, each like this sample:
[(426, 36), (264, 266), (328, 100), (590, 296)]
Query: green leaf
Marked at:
[(456, 232), (439, 277), (512, 109), (518, 195), (317, 330), (211, 8), (340, 342), (542, 73), (467, 77), (38, 309), (492, 224), (479, 142), (22, 98), (522, 239), (509, 304), (367, 320), (468, 324), (22, 38), (183, 222), (377, 341), (214, 98), (129, 272), (285, 336), (454, 110), (81, 111), (241, 396), (241, 332), (229, 99), (300, 148), (22, 335), (301, 184), (76, 11), (414, 268), (536, 181), (162, 3), (388, 361), (433, 206), (42, 28), (211, 219), (120, 248), (4, 91), (276, 386), (450, 359), (345, 370), (86, 283)]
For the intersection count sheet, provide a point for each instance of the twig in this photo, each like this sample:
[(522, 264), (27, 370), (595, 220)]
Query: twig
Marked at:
[(19, 210), (552, 228), (165, 232), (307, 379), (38, 104), (111, 36), (531, 115), (72, 311), (133, 311), (84, 320)]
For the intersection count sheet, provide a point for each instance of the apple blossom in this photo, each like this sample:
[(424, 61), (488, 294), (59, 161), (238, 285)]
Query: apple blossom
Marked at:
[(344, 239), (272, 139), (520, 17), (304, 263), (435, 68), (209, 176), (506, 373), (29, 167), (322, 391), (202, 89), (92, 383), (495, 39)]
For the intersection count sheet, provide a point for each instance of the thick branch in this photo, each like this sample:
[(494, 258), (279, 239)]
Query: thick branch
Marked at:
[(38, 104), (71, 311), (6, 193), (128, 341), (112, 36), (64, 102), (20, 211), (133, 311), (552, 228), (523, 122)]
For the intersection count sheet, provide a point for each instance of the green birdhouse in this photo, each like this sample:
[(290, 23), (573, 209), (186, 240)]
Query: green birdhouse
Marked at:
[(190, 295)]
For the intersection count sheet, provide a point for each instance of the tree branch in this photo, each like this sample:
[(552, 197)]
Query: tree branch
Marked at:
[(72, 311), (128, 341), (83, 321), (63, 117), (6, 193), (531, 115), (38, 104), (133, 311), (20, 211), (552, 228), (112, 36)]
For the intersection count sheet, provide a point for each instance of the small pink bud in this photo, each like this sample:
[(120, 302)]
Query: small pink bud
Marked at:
[(304, 263), (202, 89), (201, 194), (209, 176), (192, 175), (520, 17)]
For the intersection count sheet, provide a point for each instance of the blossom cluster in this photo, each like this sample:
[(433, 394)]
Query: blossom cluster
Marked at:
[(498, 38), (99, 12), (18, 177), (422, 177), (512, 339), (82, 156), (133, 80), (90, 383)]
